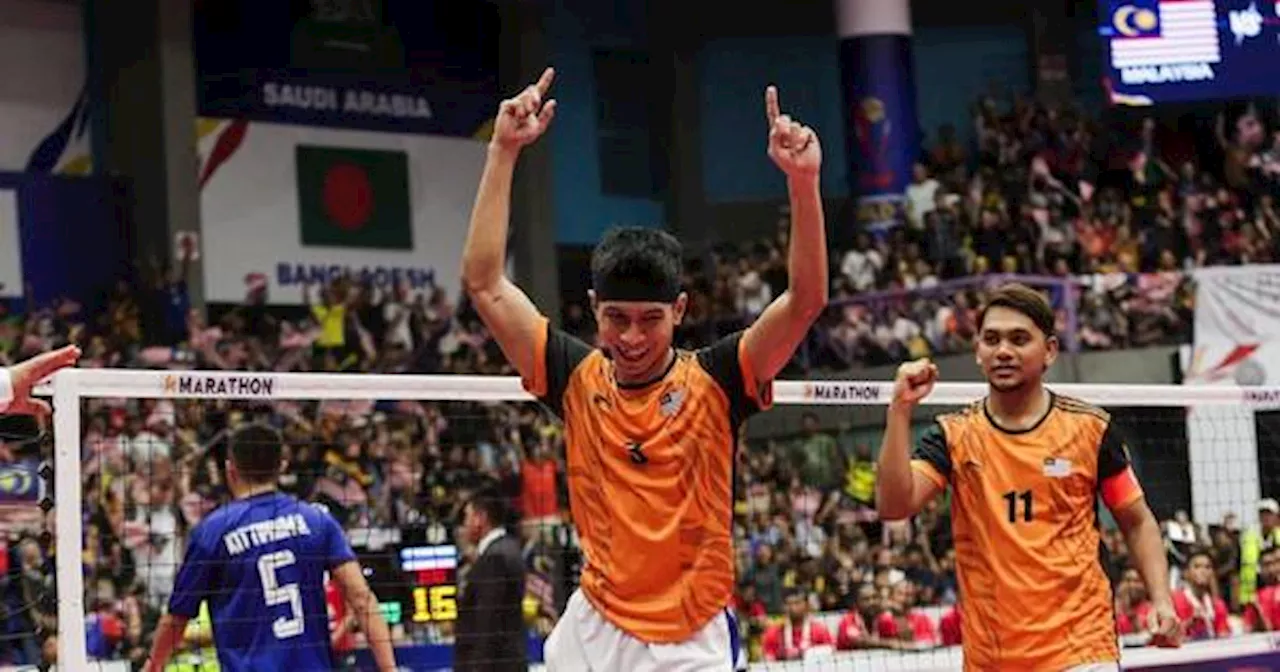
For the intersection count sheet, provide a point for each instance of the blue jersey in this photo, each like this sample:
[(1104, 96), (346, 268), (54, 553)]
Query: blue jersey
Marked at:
[(260, 563)]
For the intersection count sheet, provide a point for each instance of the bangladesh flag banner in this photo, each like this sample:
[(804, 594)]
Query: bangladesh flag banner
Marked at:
[(355, 198)]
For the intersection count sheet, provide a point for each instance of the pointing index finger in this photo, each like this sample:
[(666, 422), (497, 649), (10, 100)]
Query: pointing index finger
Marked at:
[(544, 82), (771, 110)]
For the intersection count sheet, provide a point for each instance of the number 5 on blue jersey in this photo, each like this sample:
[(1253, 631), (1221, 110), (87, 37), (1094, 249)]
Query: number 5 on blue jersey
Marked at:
[(260, 563)]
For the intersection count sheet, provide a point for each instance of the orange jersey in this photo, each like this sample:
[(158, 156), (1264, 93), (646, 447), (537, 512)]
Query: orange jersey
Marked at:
[(1024, 517), (650, 473)]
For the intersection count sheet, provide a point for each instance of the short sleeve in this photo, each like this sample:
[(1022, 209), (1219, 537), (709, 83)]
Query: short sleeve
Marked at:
[(931, 456), (194, 583), (6, 389), (1117, 481), (556, 355), (1113, 453), (337, 549), (726, 362)]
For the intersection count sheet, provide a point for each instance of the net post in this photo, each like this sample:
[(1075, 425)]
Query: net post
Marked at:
[(72, 650)]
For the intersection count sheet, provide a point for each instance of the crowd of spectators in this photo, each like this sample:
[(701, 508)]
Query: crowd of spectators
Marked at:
[(1032, 197), (1108, 219)]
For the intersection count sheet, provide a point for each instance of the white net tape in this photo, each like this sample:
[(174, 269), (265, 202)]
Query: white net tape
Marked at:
[(1220, 432)]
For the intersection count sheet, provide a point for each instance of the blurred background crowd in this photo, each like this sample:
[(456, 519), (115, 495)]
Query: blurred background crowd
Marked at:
[(1109, 220)]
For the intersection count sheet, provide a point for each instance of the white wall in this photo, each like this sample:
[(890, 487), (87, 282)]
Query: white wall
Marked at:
[(250, 219), (42, 72)]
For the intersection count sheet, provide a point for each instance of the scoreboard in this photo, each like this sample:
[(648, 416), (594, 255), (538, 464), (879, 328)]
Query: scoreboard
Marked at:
[(434, 582), (415, 584), (1182, 50)]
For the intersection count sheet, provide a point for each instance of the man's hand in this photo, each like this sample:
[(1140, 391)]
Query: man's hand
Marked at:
[(1164, 625), (914, 382), (28, 374), (523, 119), (793, 146)]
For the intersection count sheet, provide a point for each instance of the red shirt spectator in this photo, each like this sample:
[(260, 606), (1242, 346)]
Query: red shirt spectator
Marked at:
[(786, 641), (905, 617), (750, 607), (1134, 620), (949, 627), (889, 626), (1132, 605), (1205, 616), (851, 631), (343, 639), (798, 634), (1264, 614), (538, 487)]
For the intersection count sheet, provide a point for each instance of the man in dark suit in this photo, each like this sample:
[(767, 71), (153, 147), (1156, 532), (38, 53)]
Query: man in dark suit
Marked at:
[(490, 630)]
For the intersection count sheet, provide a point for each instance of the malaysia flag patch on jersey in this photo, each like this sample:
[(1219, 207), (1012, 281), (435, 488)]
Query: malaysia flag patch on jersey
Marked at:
[(671, 402), (1057, 467)]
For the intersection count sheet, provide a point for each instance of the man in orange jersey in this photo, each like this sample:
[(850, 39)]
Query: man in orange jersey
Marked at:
[(650, 432), (1025, 467)]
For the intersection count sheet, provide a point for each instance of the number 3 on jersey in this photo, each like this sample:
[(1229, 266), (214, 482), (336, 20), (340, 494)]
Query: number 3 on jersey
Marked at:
[(1019, 503), (275, 594)]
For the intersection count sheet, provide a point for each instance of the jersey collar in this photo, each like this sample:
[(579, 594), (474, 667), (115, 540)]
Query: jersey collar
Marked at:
[(1053, 403)]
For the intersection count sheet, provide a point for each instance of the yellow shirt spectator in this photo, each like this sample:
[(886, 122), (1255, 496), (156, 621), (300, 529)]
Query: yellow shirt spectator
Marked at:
[(198, 654), (332, 321)]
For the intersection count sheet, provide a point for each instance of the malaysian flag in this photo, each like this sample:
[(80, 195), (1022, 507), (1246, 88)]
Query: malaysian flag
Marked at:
[(1163, 32)]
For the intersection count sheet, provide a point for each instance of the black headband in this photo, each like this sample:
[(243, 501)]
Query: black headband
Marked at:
[(628, 287)]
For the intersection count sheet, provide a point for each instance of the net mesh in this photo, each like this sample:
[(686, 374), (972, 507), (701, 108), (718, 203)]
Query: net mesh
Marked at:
[(395, 474), (27, 590)]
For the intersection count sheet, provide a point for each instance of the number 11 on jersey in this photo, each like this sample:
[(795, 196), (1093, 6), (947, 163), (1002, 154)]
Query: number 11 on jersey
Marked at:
[(1013, 498)]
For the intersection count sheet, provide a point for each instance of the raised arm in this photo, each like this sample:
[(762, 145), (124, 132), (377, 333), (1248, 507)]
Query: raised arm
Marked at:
[(771, 341), (503, 307), (902, 490)]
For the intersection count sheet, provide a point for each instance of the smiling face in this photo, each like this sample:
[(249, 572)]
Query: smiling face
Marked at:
[(1016, 342), (638, 335), (636, 297), (1012, 351)]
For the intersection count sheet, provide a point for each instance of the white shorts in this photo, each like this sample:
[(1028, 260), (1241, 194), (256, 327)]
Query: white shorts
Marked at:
[(583, 641)]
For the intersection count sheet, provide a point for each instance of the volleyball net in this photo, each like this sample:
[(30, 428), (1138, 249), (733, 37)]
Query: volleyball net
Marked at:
[(97, 516)]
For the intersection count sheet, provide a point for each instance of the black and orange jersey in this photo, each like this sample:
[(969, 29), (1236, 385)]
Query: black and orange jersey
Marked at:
[(1034, 592), (651, 479)]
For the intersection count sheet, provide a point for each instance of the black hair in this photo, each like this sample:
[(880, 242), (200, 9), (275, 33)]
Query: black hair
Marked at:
[(256, 450), (639, 257), (490, 502), (1025, 300), (1199, 552)]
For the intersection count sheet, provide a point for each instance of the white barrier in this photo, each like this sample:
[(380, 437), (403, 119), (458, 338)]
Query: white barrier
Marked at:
[(949, 659)]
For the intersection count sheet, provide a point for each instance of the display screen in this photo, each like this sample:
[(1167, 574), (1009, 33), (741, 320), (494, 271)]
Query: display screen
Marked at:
[(416, 584), (1182, 50)]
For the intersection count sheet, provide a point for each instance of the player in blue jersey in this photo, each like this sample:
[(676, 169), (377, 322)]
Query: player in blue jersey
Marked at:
[(260, 562)]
